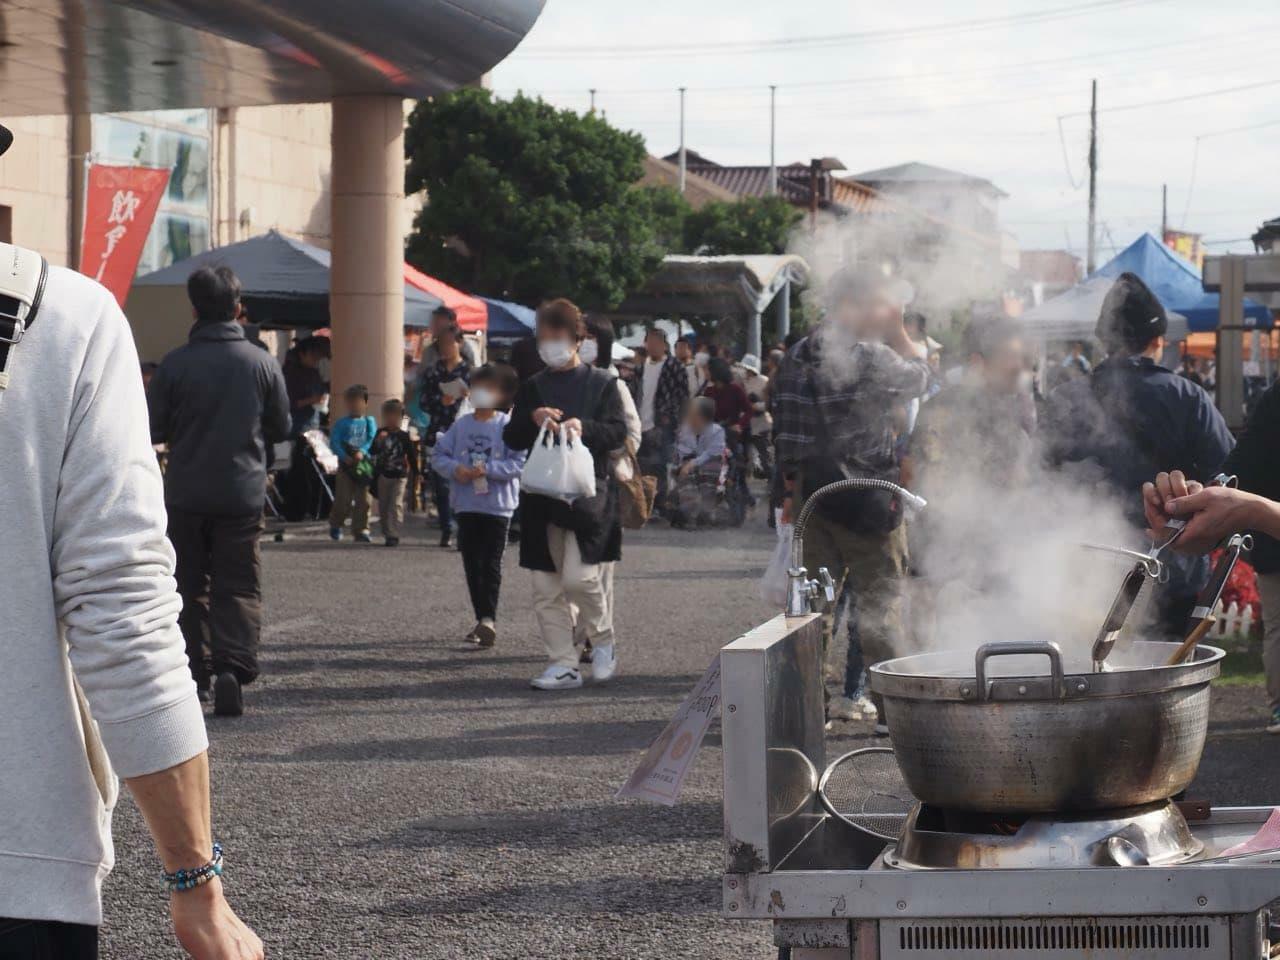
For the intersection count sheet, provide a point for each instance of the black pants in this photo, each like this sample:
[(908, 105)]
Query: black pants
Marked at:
[(482, 539), (220, 579), (440, 496), (47, 940), (656, 450)]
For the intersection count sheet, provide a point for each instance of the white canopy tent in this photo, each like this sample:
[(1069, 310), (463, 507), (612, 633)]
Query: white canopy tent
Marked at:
[(1073, 315)]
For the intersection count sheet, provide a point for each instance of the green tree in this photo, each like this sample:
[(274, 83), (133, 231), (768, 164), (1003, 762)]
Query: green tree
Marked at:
[(526, 201), (747, 226)]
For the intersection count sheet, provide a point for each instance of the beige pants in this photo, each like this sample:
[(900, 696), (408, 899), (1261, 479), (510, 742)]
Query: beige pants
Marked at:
[(1269, 593), (350, 499), (574, 584), (391, 492)]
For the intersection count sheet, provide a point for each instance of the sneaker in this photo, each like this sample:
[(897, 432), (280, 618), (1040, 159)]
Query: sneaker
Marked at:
[(393, 541), (335, 533), (486, 634), (557, 678), (863, 703), (446, 539), (843, 708), (1274, 725), (228, 700), (584, 655), (363, 538), (604, 663), (881, 729)]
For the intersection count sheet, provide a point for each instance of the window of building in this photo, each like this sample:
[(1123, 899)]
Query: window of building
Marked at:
[(179, 140)]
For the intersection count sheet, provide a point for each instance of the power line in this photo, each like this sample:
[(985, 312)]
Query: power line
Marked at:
[(1182, 99), (1012, 69), (667, 50)]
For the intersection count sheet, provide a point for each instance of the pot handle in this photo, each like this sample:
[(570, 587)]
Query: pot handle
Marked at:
[(989, 650)]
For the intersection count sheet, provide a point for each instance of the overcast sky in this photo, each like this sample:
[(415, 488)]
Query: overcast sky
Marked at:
[(930, 84)]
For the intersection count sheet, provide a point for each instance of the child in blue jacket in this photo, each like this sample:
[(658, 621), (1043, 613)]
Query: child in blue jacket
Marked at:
[(350, 439), (484, 490)]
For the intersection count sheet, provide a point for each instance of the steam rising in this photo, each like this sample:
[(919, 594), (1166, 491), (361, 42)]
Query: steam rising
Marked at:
[(1000, 553)]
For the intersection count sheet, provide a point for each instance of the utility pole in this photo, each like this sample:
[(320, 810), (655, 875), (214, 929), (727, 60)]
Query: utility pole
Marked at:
[(773, 140), (1164, 211), (593, 101), (1092, 248), (683, 165)]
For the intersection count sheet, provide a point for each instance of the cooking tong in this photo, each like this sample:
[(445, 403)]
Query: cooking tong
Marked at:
[(1151, 565), (1207, 599)]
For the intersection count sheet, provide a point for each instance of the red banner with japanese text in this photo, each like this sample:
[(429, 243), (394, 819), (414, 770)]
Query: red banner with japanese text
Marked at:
[(120, 204)]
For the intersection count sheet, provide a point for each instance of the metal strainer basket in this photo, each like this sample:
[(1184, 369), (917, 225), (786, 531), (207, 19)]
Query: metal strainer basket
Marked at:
[(865, 790)]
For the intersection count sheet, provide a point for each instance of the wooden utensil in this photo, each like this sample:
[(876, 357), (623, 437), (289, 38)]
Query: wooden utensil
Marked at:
[(1188, 645)]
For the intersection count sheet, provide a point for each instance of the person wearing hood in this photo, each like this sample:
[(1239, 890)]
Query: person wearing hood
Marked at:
[(1134, 418), (219, 403)]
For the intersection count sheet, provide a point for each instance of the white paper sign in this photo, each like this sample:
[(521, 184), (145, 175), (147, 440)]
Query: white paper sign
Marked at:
[(661, 772)]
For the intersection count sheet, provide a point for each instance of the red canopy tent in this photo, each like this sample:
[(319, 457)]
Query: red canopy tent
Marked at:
[(472, 313)]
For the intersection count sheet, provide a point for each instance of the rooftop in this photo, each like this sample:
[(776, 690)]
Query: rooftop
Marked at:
[(915, 172)]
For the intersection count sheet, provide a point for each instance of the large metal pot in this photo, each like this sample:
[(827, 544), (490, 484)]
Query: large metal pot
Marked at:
[(1001, 735)]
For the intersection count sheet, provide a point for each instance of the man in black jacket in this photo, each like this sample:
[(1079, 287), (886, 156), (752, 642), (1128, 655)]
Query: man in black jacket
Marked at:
[(219, 403), (1135, 418), (661, 389)]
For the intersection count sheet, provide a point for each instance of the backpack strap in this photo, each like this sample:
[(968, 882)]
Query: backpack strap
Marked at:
[(23, 275)]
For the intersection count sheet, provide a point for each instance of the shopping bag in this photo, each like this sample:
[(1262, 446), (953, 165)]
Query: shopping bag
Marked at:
[(773, 585), (564, 470)]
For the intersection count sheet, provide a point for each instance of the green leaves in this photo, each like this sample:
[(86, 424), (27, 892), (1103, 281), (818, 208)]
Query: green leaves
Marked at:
[(526, 201)]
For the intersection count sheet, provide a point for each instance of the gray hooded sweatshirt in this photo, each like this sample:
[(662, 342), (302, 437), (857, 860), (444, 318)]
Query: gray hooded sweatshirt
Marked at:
[(95, 674)]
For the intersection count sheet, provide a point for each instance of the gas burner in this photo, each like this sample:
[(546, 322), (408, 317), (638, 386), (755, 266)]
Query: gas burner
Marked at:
[(935, 839)]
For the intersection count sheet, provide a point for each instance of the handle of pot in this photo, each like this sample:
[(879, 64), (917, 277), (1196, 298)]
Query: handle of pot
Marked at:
[(989, 650)]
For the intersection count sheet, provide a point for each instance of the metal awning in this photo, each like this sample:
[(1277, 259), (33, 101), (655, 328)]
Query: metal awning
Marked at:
[(115, 55), (740, 286)]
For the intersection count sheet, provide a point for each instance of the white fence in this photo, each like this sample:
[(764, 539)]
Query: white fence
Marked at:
[(1234, 623)]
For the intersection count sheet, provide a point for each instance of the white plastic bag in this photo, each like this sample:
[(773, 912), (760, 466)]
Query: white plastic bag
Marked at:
[(565, 470), (773, 585)]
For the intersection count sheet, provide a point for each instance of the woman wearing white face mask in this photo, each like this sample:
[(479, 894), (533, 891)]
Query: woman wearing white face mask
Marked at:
[(566, 545)]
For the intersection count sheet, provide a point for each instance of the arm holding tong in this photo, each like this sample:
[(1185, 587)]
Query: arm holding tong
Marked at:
[(1210, 513)]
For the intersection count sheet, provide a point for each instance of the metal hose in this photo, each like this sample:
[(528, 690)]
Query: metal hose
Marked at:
[(909, 499)]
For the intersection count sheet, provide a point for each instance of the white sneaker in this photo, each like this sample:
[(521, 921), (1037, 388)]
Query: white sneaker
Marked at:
[(864, 704), (557, 678), (842, 708), (604, 663)]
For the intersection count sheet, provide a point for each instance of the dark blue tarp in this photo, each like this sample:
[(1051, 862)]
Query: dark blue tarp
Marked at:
[(1177, 283), (508, 321), (284, 282)]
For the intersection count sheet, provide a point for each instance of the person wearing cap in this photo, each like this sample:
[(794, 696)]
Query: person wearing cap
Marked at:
[(757, 386), (1134, 418), (95, 683), (836, 395)]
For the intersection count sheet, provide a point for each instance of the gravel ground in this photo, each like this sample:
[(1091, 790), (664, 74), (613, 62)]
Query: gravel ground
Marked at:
[(391, 794)]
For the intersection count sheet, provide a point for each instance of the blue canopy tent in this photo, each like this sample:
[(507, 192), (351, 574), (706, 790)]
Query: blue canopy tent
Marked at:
[(1177, 283), (508, 322)]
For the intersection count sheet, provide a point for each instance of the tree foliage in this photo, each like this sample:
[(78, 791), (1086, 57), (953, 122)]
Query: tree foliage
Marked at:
[(748, 226), (526, 201)]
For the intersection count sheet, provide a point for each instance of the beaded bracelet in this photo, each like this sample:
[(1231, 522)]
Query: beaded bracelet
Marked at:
[(197, 876)]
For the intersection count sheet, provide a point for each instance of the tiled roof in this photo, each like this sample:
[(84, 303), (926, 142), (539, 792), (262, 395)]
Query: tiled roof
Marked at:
[(698, 190), (916, 172)]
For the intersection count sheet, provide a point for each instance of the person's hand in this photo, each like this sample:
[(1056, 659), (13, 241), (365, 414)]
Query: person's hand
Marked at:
[(448, 399), (1166, 487), (1213, 513), (572, 426), (208, 928), (543, 414), (788, 505), (358, 456), (463, 474)]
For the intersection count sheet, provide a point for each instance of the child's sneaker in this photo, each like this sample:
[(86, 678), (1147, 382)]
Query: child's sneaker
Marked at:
[(485, 633), (335, 534), (363, 538)]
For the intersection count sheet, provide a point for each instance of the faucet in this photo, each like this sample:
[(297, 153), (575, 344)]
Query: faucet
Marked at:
[(803, 594)]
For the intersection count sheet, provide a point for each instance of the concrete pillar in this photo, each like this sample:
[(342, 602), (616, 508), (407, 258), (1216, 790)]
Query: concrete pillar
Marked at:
[(753, 333), (366, 284), (1230, 343)]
